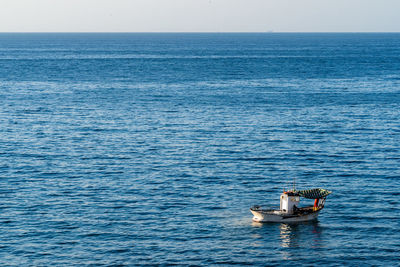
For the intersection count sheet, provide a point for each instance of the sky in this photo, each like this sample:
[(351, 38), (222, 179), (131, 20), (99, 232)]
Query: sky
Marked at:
[(199, 15)]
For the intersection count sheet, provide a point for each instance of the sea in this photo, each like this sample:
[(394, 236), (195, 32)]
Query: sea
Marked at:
[(135, 149)]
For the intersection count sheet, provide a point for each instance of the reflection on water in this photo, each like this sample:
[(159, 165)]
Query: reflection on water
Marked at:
[(300, 234), (306, 235), (290, 235)]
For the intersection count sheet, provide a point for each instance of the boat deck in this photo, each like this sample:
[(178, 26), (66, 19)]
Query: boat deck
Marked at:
[(296, 212)]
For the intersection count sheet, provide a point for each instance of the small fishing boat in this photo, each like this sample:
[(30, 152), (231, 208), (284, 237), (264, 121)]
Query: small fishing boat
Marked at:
[(289, 207)]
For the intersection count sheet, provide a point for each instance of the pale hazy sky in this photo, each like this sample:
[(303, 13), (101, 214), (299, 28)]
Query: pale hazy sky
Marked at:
[(199, 15)]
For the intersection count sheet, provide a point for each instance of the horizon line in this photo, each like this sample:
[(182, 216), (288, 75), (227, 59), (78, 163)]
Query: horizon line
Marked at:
[(195, 32)]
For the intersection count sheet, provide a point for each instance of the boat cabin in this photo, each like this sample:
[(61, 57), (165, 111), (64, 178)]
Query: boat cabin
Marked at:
[(289, 202)]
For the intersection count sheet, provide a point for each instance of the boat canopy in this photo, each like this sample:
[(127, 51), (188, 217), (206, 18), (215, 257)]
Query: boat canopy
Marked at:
[(314, 193)]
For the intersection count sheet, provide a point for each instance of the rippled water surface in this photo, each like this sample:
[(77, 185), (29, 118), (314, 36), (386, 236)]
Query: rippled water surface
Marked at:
[(134, 149)]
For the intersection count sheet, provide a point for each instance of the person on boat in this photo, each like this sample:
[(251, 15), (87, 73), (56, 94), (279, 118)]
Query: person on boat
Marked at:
[(295, 209)]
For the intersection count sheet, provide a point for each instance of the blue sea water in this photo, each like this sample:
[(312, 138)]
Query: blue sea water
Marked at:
[(149, 149)]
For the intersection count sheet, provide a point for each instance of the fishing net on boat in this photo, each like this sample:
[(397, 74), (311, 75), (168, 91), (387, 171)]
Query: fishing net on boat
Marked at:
[(314, 193)]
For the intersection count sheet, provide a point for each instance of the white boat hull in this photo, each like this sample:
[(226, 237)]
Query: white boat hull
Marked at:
[(277, 216)]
